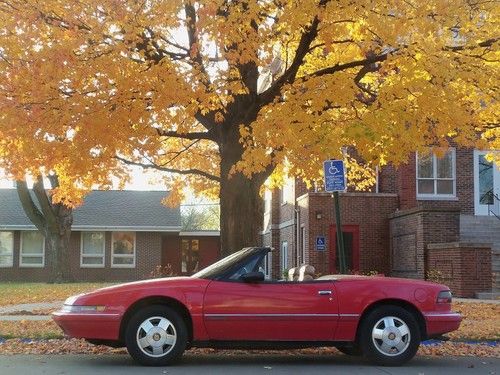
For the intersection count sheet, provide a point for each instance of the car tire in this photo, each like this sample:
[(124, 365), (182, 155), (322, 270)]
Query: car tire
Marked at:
[(389, 336), (354, 350), (156, 336)]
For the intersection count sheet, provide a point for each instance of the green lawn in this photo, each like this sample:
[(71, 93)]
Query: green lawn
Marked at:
[(16, 293)]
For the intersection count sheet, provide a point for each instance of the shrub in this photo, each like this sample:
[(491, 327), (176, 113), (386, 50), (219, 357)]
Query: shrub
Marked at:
[(162, 271)]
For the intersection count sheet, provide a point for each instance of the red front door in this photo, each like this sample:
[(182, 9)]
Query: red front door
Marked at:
[(282, 311), (351, 248)]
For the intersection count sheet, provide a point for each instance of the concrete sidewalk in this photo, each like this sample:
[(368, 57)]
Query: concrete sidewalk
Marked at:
[(474, 300), (21, 311)]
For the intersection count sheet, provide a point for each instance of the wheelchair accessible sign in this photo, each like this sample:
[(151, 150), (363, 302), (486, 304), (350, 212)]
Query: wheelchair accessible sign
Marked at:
[(334, 172), (320, 243)]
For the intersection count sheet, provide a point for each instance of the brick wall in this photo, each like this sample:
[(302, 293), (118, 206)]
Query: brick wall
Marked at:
[(394, 226), (465, 180), (279, 227), (387, 179), (406, 184), (367, 210), (411, 231), (465, 268), (148, 255)]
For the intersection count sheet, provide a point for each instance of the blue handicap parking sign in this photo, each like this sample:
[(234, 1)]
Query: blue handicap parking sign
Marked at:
[(334, 171), (320, 243)]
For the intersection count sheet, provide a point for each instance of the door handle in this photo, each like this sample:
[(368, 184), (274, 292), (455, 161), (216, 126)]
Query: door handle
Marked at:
[(324, 292)]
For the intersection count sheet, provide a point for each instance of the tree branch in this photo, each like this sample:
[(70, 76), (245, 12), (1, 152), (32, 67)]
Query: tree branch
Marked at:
[(179, 153), (209, 135), (170, 170), (194, 47), (302, 50), (352, 64), (484, 44), (45, 204), (29, 207)]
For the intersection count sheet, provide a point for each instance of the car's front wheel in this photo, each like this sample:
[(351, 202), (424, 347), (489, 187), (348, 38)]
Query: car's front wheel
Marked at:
[(390, 336), (156, 336)]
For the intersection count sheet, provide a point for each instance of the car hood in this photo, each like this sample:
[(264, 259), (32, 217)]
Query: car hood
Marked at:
[(163, 286)]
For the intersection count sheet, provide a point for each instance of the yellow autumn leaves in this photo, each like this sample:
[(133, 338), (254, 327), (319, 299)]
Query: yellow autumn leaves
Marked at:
[(82, 82)]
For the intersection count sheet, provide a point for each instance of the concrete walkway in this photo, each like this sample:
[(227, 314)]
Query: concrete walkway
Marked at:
[(474, 300), (30, 307), (7, 312)]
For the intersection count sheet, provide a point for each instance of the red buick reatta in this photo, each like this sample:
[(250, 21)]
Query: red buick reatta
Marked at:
[(231, 304)]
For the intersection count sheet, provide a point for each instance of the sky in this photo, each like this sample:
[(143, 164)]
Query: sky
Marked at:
[(141, 180)]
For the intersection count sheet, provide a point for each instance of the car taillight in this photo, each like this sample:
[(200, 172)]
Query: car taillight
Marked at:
[(444, 297)]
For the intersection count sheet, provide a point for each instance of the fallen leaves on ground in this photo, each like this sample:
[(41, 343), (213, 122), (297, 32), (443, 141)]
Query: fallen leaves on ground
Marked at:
[(18, 293), (481, 321), (461, 349), (43, 329)]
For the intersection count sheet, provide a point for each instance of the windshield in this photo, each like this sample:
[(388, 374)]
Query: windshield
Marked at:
[(223, 265)]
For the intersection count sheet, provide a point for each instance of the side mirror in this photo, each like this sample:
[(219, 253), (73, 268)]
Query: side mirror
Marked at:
[(253, 277)]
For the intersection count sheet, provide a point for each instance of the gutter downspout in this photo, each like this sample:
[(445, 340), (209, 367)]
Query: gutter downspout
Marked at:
[(296, 219)]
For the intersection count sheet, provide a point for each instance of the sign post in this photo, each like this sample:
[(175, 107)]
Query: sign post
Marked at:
[(335, 181)]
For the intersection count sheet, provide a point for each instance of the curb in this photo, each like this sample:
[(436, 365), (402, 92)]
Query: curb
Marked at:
[(16, 318)]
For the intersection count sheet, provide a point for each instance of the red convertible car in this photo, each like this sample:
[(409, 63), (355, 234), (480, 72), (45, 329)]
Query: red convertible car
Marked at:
[(231, 304)]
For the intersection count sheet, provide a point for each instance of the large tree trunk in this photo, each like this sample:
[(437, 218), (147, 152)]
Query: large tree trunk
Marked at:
[(54, 221), (241, 206), (241, 213), (58, 237), (57, 247)]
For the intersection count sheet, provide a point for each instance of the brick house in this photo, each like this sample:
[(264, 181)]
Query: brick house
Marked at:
[(116, 236), (437, 217)]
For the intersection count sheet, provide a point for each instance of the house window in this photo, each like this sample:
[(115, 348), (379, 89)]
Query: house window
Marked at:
[(284, 257), (92, 249), (436, 175), (287, 191), (282, 195), (32, 249), (6, 249), (267, 201), (123, 250)]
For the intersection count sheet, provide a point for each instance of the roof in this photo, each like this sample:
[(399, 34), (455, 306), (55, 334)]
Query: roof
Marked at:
[(103, 210)]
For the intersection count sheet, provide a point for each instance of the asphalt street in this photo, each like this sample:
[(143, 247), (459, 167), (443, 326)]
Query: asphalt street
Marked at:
[(241, 365)]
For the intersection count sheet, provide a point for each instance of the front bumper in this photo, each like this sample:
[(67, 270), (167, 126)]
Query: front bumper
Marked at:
[(102, 325), (439, 323)]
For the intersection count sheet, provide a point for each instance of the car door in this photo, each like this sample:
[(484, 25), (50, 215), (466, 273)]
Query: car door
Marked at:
[(276, 311)]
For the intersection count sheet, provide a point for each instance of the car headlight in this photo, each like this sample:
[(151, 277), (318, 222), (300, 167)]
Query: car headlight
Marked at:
[(71, 300), (82, 309)]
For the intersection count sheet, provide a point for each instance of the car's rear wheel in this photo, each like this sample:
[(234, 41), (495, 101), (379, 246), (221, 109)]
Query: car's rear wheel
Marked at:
[(390, 336), (156, 336)]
